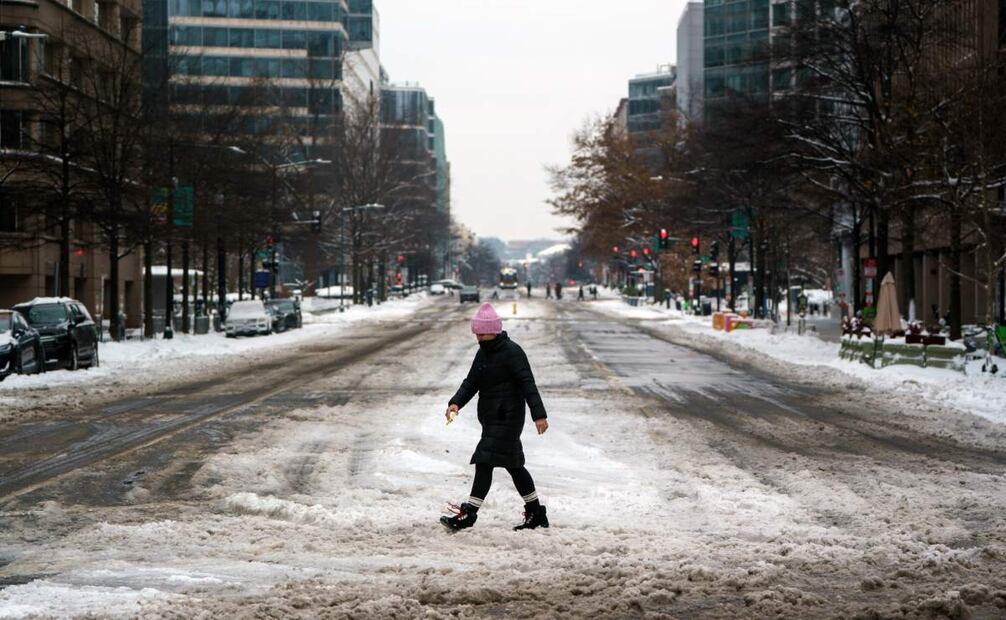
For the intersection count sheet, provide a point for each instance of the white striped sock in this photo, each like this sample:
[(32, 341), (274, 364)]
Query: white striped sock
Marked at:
[(530, 497), (475, 501)]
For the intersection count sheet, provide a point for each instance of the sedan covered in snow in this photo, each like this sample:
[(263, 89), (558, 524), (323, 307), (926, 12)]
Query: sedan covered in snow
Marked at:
[(248, 318), (20, 346)]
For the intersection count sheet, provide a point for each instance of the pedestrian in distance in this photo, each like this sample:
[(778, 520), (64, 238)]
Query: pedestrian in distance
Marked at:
[(558, 290), (529, 289), (501, 376), (548, 290), (580, 296)]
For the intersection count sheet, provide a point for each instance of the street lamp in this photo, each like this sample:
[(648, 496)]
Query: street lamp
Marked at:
[(342, 248)]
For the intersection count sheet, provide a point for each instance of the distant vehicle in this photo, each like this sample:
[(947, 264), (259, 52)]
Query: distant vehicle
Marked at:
[(69, 334), (248, 317), (438, 289), (508, 279), (20, 346), (469, 293), (450, 284), (285, 314)]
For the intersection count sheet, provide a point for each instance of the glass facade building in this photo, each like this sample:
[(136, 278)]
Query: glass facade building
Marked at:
[(259, 53), (648, 99), (736, 35)]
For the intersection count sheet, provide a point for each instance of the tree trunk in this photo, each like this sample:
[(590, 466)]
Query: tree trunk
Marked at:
[(221, 279), (185, 287), (857, 265), (241, 274), (955, 270), (758, 268), (251, 271), (113, 289), (206, 279), (148, 290), (907, 284), (883, 245), (64, 252)]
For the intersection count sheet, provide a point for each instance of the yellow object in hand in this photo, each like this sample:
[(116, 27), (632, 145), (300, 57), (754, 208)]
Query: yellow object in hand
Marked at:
[(451, 417)]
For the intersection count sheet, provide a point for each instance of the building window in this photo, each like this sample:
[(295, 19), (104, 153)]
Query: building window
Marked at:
[(1002, 23), (780, 14), (12, 129), (13, 59), (8, 213)]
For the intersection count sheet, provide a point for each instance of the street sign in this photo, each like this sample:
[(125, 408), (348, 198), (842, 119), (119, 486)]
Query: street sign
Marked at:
[(263, 279), (740, 228), (869, 268), (159, 205), (182, 206), (263, 255)]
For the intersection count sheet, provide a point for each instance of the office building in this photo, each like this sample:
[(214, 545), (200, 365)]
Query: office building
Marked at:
[(690, 65), (736, 48), (651, 98), (52, 50)]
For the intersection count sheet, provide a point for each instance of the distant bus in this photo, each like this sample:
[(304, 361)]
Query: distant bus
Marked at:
[(508, 279)]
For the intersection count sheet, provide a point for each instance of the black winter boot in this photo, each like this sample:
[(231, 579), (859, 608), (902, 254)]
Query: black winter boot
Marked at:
[(533, 518), (464, 516)]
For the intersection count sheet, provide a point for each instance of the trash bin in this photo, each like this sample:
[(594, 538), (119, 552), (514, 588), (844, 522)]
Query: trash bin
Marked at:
[(217, 325), (202, 325), (707, 308)]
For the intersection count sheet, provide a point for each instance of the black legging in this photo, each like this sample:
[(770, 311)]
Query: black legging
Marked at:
[(521, 479)]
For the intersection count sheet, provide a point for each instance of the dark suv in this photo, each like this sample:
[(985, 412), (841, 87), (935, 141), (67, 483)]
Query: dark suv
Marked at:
[(20, 346), (285, 314), (69, 335)]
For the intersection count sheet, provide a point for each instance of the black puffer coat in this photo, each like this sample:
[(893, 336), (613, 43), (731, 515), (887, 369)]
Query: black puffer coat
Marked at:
[(502, 377)]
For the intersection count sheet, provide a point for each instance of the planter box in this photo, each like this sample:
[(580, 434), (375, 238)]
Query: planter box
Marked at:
[(906, 354), (934, 340), (914, 338)]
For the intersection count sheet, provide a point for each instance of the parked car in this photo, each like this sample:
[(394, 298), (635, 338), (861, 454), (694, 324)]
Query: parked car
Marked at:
[(437, 289), (248, 318), (470, 293), (69, 334), (20, 346), (285, 314)]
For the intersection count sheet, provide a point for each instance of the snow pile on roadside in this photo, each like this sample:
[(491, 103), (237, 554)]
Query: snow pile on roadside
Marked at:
[(158, 362), (974, 392)]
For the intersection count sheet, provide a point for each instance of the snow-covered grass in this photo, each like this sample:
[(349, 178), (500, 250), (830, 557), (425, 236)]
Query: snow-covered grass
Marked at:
[(158, 362), (817, 360)]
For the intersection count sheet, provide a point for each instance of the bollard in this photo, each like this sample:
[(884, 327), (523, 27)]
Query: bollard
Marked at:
[(515, 308)]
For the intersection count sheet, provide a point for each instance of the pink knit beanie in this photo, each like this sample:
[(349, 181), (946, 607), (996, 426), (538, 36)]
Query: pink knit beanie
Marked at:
[(486, 321)]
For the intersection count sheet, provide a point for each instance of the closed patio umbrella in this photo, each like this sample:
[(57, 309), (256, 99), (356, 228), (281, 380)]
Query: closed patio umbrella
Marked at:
[(888, 318)]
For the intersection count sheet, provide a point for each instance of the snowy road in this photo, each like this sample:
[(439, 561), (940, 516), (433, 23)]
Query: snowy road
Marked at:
[(309, 486)]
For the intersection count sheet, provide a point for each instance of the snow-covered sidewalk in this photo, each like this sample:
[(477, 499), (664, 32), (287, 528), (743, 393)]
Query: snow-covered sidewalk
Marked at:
[(157, 363), (816, 360)]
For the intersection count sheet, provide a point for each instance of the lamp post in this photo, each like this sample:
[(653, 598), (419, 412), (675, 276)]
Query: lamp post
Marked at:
[(342, 248)]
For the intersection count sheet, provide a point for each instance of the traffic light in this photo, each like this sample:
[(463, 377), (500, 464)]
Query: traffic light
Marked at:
[(614, 250), (400, 259), (714, 270), (633, 254), (695, 246), (646, 252), (697, 266), (316, 221), (269, 242), (714, 251), (664, 239)]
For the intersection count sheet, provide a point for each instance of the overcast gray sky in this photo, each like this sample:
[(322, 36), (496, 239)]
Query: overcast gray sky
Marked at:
[(512, 80)]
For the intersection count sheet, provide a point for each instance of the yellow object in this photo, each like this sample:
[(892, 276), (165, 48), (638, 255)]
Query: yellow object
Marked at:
[(451, 418), (515, 307)]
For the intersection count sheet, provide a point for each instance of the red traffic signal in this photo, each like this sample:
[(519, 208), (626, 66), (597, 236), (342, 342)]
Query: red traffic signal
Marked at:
[(269, 242), (646, 251), (614, 250), (663, 234), (79, 252), (695, 242), (633, 254), (401, 259)]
